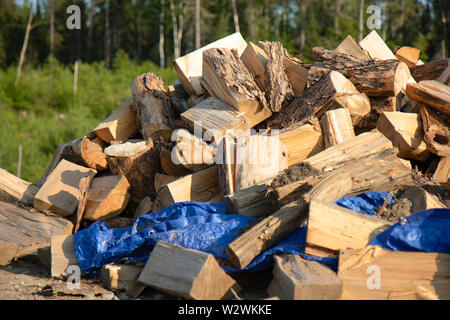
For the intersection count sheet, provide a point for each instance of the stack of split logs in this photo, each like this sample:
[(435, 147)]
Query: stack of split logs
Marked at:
[(361, 118)]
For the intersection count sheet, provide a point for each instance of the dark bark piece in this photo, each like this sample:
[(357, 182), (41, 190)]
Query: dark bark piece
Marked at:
[(312, 101), (278, 90), (429, 71), (375, 78), (150, 98)]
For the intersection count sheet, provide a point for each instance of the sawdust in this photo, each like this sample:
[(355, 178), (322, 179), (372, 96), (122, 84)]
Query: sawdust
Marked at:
[(397, 211), (294, 173)]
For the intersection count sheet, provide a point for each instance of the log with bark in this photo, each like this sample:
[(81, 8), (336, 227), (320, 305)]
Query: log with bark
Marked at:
[(229, 80), (312, 101), (375, 78), (149, 97), (432, 93), (351, 179), (431, 70), (436, 131)]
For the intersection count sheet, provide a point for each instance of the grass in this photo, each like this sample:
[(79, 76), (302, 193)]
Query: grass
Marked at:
[(42, 111)]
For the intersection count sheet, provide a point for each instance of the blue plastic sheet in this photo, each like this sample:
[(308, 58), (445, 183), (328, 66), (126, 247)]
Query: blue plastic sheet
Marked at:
[(427, 231), (202, 226), (365, 203)]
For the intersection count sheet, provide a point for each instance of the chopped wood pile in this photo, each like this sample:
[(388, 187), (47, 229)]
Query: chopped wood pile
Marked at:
[(274, 138)]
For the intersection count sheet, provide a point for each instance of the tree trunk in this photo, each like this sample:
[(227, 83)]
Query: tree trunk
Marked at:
[(52, 29), (177, 29), (303, 25), (161, 36), (107, 37), (361, 20), (235, 16), (197, 24), (25, 45)]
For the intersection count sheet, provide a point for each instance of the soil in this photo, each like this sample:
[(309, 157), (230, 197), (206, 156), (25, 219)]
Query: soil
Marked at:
[(397, 211), (294, 173), (27, 279)]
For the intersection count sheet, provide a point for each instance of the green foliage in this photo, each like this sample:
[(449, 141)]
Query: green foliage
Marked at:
[(42, 111)]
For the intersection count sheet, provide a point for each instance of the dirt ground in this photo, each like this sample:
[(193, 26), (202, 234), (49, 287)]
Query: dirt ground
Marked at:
[(28, 279)]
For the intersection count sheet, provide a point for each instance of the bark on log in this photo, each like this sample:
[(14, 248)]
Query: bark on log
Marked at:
[(139, 169), (230, 81), (375, 78), (432, 93), (430, 71), (153, 106), (312, 101), (353, 178)]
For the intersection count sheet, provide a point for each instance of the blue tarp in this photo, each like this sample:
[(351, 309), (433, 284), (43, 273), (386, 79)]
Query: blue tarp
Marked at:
[(202, 226), (367, 203), (209, 228), (427, 231)]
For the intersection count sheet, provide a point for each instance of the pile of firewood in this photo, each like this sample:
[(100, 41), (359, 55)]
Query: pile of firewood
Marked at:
[(361, 118)]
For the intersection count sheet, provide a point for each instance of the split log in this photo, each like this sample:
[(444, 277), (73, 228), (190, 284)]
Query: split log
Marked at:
[(214, 117), (361, 146), (14, 189), (255, 59), (405, 132), (258, 157), (139, 169), (23, 231), (126, 149), (92, 152), (191, 151), (432, 93), (162, 179), (297, 73), (436, 132), (107, 197), (398, 275), (312, 101), (169, 167), (311, 139), (251, 201), (117, 276), (377, 49), (83, 187), (374, 78), (226, 161), (189, 68), (60, 193), (442, 173), (184, 272), (295, 69), (145, 206), (230, 81), (350, 47), (150, 98), (351, 179), (200, 186), (277, 88), (408, 55), (332, 228), (431, 70), (62, 255), (337, 127), (120, 125), (357, 104), (8, 252), (295, 278)]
